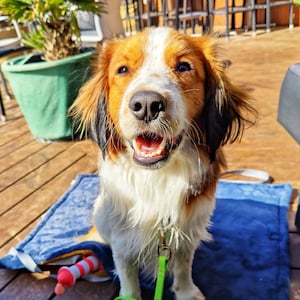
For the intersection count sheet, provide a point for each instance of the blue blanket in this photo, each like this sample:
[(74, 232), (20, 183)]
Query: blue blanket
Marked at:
[(248, 258)]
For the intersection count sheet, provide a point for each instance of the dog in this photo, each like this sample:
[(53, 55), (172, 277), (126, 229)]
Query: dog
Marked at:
[(160, 106)]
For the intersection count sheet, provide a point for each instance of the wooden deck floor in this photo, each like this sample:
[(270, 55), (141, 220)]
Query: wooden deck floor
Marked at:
[(33, 175)]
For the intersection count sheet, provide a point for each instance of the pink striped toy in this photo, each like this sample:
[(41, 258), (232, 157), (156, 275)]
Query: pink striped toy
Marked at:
[(67, 276)]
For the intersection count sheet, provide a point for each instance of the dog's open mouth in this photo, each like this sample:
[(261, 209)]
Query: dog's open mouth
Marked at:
[(150, 148)]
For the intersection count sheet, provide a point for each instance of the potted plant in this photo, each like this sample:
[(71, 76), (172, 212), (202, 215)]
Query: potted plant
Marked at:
[(46, 82)]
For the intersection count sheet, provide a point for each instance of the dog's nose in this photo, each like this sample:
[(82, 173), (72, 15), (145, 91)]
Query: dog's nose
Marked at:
[(146, 105)]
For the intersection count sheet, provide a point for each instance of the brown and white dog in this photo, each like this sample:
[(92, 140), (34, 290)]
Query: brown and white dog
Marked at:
[(160, 106)]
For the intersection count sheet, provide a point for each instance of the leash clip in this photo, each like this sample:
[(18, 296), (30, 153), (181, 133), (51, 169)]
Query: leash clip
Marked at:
[(164, 250), (165, 242)]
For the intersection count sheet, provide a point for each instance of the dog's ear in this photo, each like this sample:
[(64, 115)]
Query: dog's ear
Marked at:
[(91, 106), (99, 129), (227, 109)]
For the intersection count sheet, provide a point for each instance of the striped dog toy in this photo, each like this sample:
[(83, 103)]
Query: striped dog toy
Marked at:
[(67, 276)]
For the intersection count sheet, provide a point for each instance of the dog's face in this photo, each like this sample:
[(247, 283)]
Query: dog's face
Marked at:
[(157, 90)]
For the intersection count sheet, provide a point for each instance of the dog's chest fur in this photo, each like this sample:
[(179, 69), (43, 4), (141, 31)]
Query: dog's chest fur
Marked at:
[(135, 202)]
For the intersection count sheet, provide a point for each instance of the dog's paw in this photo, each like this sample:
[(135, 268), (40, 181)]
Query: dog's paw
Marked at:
[(128, 296), (189, 294)]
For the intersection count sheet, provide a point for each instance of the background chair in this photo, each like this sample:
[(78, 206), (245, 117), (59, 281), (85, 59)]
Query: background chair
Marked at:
[(231, 10), (14, 40), (9, 46), (94, 28), (153, 12), (179, 14), (132, 11), (193, 12), (267, 6), (90, 28)]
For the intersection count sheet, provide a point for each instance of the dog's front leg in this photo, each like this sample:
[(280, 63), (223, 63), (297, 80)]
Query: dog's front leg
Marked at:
[(128, 276), (184, 286)]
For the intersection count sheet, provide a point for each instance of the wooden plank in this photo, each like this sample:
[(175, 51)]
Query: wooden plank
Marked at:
[(9, 104), (21, 287), (12, 111), (32, 163), (294, 245), (291, 221), (26, 286), (6, 276), (8, 226), (91, 291), (37, 178), (12, 130), (20, 154), (29, 210), (292, 211), (294, 250), (295, 285), (15, 144)]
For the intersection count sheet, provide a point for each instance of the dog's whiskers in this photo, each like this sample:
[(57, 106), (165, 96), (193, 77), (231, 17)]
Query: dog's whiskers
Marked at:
[(190, 90), (195, 134), (166, 129)]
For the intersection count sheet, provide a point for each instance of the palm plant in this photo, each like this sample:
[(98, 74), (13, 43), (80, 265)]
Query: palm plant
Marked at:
[(56, 33)]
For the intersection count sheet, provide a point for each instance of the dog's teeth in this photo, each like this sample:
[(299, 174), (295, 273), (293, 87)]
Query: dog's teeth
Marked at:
[(163, 144), (134, 144), (150, 154)]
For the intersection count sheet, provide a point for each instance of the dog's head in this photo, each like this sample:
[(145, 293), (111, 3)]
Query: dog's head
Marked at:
[(156, 91)]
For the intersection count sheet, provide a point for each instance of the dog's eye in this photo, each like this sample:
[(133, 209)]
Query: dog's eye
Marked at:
[(122, 70), (183, 67)]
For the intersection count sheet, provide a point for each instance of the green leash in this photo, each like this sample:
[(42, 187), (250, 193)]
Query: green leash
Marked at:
[(161, 275), (160, 281), (164, 252)]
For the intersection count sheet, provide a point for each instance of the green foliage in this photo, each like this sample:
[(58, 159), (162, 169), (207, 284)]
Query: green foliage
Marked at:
[(56, 31)]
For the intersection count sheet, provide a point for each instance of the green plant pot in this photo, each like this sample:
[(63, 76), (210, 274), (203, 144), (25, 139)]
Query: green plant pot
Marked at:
[(45, 91)]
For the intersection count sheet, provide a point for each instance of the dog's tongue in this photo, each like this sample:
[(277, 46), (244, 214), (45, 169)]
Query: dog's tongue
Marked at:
[(149, 145)]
